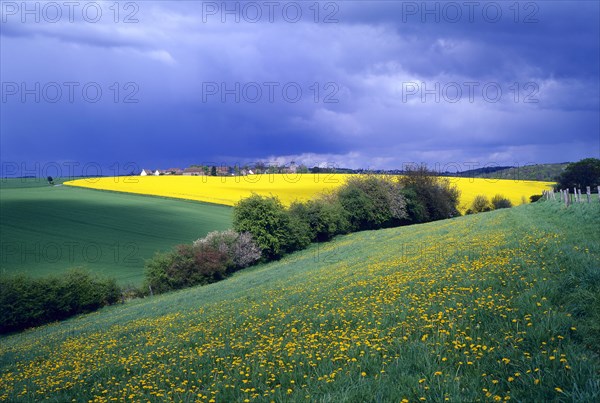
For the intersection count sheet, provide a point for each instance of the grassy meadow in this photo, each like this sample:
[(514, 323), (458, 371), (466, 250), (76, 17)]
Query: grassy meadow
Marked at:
[(491, 307), (49, 229), (288, 187)]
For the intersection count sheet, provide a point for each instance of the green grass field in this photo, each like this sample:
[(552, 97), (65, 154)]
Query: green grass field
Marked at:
[(491, 307), (48, 229)]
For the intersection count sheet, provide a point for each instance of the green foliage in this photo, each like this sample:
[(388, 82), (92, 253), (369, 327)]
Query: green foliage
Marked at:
[(206, 261), (320, 219), (534, 198), (362, 203), (240, 249), (27, 301), (299, 234), (358, 206), (185, 266), (537, 172), (372, 202), (330, 217), (268, 222), (581, 174), (156, 278), (415, 209), (499, 201), (480, 204), (435, 198)]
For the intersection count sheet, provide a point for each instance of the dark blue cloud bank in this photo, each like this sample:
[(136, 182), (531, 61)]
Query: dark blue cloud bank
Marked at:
[(357, 84)]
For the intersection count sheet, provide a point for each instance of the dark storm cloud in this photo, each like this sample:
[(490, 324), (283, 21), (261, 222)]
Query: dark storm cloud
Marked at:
[(385, 84)]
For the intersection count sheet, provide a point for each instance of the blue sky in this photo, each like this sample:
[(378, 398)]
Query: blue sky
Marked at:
[(360, 84)]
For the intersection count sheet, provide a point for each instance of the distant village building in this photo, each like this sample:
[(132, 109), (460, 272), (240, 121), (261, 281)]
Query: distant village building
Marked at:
[(223, 170), (146, 172), (173, 171), (194, 172)]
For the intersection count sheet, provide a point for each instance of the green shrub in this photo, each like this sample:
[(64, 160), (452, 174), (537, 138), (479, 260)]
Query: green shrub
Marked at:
[(327, 217), (240, 248), (437, 196), (534, 198), (207, 260), (27, 302), (415, 209), (499, 201), (185, 266), (480, 204), (156, 278), (299, 234), (372, 202), (268, 222), (322, 218)]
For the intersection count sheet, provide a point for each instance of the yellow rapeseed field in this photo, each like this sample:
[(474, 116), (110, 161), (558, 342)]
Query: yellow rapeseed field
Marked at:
[(288, 187)]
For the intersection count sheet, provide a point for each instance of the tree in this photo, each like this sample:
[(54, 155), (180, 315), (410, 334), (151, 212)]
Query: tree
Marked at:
[(324, 216), (240, 249), (499, 201), (372, 202), (213, 171), (302, 169), (580, 174), (415, 209), (480, 204), (435, 194), (299, 233), (50, 180), (268, 222)]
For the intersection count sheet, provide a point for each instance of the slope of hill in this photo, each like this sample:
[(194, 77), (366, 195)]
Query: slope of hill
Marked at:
[(538, 172), (48, 229), (494, 306)]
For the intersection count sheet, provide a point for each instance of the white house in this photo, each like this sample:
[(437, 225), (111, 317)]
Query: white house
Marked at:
[(156, 173), (146, 172)]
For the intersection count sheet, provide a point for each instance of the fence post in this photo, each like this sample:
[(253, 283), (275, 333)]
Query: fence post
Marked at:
[(580, 199), (572, 197), (588, 193), (599, 193)]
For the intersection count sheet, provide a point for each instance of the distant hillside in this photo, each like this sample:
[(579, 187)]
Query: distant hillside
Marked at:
[(538, 172)]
